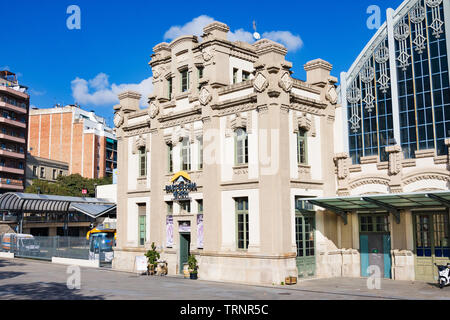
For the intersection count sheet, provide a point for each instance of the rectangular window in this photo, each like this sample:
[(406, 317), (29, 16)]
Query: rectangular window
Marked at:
[(169, 208), (142, 211), (200, 206), (185, 206), (374, 223), (241, 147), (302, 147), (200, 72), (35, 171), (245, 75), (184, 80), (170, 158), (60, 172), (235, 74), (200, 153), (169, 83), (142, 162), (55, 174), (242, 227), (186, 155), (42, 172)]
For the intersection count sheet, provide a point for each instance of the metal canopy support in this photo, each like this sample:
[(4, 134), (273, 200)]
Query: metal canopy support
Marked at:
[(338, 211), (395, 212), (444, 202)]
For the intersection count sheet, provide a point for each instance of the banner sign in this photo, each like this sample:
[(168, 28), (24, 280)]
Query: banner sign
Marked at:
[(200, 231), (169, 231)]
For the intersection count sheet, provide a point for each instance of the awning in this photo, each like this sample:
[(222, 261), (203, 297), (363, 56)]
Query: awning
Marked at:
[(93, 210), (38, 203), (392, 203)]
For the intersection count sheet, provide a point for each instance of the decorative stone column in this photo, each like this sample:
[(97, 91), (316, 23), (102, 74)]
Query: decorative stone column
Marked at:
[(395, 168), (342, 171)]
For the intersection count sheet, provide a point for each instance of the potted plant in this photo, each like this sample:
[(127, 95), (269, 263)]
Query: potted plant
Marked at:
[(152, 259), (193, 267)]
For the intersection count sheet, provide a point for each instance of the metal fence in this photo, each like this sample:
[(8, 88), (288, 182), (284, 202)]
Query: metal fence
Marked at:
[(45, 247)]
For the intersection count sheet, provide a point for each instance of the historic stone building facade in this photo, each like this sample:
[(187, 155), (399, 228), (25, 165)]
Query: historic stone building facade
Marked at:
[(229, 118)]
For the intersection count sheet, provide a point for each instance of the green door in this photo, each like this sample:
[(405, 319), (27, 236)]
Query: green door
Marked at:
[(305, 239), (431, 237), (185, 243)]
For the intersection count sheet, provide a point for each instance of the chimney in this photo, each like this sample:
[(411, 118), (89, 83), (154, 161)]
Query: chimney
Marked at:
[(129, 101), (317, 71), (215, 30)]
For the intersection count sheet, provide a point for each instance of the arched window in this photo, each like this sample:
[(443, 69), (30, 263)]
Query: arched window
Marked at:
[(241, 146), (186, 155), (142, 162), (302, 147)]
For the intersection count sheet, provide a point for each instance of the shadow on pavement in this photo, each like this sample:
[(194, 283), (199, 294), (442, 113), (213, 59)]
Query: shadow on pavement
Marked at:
[(9, 263), (9, 274), (42, 291)]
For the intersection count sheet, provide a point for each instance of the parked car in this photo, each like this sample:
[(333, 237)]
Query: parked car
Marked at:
[(17, 242)]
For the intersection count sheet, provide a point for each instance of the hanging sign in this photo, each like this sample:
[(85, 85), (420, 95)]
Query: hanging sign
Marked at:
[(200, 231), (169, 231), (181, 186)]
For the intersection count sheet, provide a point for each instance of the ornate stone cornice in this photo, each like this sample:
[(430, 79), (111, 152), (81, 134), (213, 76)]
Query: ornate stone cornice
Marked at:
[(418, 176), (136, 132), (369, 180)]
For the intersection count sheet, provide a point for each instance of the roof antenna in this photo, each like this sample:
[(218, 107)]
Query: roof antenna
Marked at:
[(256, 35)]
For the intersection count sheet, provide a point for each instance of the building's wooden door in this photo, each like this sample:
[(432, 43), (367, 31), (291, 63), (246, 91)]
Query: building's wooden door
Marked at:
[(305, 239), (185, 243), (375, 243), (431, 237)]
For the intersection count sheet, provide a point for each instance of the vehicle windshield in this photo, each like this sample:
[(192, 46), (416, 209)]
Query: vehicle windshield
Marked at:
[(103, 241), (28, 242)]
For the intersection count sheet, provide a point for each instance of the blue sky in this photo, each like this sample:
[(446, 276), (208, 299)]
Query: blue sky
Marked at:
[(113, 47)]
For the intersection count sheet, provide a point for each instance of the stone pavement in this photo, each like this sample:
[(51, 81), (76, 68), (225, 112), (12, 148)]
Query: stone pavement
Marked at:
[(29, 279)]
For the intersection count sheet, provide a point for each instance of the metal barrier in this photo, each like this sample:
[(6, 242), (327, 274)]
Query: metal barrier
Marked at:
[(46, 247)]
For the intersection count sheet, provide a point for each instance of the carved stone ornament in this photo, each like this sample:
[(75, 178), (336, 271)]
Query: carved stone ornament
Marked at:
[(179, 134), (153, 110), (395, 159), (156, 73), (238, 122), (118, 119), (340, 161), (260, 83), (140, 143), (304, 122), (205, 96), (208, 54), (286, 82), (331, 94)]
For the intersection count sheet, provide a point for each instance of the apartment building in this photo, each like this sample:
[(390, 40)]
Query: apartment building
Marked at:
[(14, 105), (44, 169), (72, 135)]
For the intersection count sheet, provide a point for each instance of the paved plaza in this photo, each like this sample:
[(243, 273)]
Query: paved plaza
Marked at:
[(29, 279)]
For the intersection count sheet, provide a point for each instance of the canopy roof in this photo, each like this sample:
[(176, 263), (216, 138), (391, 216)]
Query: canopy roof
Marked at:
[(38, 203), (387, 202)]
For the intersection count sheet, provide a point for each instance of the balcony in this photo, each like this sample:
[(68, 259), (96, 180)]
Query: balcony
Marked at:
[(18, 91), (11, 154), (12, 138), (11, 170), (12, 122), (7, 106), (11, 184)]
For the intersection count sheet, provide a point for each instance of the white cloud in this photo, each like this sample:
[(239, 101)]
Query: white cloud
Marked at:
[(98, 91), (195, 27), (37, 93), (290, 41)]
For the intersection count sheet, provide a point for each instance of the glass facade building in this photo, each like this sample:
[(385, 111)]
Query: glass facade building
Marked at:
[(397, 91)]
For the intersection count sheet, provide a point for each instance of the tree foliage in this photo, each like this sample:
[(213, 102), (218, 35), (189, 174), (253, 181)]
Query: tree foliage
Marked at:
[(72, 186)]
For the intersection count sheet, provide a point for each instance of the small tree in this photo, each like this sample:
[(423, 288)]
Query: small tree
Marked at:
[(152, 257), (193, 265)]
